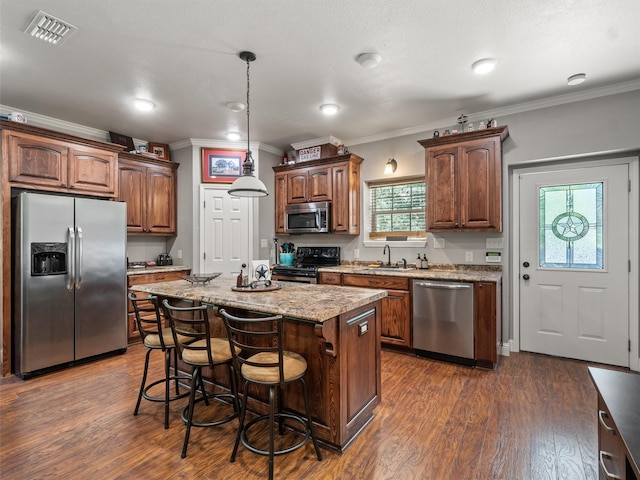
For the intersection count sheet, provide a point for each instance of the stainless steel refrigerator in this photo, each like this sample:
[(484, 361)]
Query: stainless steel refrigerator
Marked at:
[(69, 280)]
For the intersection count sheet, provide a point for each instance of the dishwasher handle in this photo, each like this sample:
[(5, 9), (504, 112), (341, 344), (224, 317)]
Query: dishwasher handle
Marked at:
[(445, 286)]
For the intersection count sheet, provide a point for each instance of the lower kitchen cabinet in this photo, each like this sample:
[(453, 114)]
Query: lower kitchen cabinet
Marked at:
[(488, 323), (395, 322), (133, 336), (618, 420)]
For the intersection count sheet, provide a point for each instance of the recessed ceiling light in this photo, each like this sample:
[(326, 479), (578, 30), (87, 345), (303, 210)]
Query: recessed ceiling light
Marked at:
[(233, 136), (144, 105), (369, 60), (329, 108), (576, 79), (235, 106), (484, 65)]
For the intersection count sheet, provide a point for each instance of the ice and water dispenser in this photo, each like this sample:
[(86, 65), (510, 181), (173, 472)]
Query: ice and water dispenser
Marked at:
[(48, 259)]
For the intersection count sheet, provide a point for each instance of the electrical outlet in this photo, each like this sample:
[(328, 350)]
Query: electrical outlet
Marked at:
[(468, 256), (356, 253), (179, 253), (263, 243)]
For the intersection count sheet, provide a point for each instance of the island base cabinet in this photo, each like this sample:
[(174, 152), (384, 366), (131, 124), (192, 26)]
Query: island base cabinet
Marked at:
[(343, 372)]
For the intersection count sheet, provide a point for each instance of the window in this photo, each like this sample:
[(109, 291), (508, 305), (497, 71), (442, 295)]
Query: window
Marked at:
[(570, 229), (397, 209)]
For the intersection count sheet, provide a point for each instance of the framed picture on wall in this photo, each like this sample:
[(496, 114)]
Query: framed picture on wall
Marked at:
[(161, 150), (220, 165)]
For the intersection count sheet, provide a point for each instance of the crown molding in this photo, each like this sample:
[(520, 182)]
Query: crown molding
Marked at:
[(577, 96)]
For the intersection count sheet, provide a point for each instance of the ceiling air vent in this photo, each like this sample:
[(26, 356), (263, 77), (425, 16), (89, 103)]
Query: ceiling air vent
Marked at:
[(50, 29)]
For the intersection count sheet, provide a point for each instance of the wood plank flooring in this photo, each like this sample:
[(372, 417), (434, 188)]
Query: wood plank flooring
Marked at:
[(532, 418)]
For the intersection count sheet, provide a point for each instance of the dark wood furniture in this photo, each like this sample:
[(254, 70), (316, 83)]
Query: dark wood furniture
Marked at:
[(135, 278), (464, 181), (336, 331), (149, 188), (396, 324), (39, 159), (618, 423), (335, 179)]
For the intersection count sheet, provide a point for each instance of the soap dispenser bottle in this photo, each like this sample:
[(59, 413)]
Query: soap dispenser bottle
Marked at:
[(425, 262)]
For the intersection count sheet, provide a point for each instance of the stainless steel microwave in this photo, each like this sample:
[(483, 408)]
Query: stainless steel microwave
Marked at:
[(307, 217)]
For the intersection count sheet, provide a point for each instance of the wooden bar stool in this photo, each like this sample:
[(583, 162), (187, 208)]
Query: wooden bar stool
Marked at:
[(192, 335), (265, 362), (156, 337)]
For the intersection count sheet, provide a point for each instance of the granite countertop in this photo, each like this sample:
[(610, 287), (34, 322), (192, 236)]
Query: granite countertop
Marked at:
[(439, 272), (157, 269), (297, 300)]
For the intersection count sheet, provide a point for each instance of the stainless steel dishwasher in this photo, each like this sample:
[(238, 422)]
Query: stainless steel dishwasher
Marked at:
[(443, 320)]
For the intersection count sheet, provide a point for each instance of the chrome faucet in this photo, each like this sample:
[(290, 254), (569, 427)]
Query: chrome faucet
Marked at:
[(387, 250)]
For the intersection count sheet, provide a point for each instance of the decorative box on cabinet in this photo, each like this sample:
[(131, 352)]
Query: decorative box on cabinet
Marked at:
[(46, 163), (133, 335), (334, 179), (149, 189), (464, 181)]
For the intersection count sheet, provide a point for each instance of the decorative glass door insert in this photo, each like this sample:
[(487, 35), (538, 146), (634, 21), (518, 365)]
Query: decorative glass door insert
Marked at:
[(570, 230)]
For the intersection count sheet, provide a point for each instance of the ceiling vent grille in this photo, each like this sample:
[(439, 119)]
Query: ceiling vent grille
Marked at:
[(50, 29)]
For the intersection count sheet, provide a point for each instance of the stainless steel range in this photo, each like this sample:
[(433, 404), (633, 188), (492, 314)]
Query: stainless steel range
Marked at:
[(306, 263)]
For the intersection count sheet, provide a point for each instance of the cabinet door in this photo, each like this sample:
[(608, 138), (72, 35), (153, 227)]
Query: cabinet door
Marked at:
[(37, 161), (297, 187), (442, 207), (133, 191), (345, 208), (395, 324), (486, 324), (281, 200), (320, 184), (362, 370), (479, 184), (161, 200), (92, 170)]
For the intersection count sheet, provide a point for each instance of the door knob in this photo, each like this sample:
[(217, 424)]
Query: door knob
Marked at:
[(525, 264), (525, 276)]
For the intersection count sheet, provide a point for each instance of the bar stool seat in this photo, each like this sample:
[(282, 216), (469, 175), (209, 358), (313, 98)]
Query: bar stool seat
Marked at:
[(156, 337), (265, 362)]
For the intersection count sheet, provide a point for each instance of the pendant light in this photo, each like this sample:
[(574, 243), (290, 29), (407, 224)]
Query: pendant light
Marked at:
[(248, 185)]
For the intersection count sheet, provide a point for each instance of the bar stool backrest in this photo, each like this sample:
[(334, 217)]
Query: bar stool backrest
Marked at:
[(252, 336), (148, 316), (191, 329)]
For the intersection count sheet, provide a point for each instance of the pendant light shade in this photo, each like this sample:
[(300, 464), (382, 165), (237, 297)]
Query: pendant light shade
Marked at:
[(248, 185)]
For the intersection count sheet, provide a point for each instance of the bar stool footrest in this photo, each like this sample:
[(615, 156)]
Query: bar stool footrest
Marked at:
[(221, 421), (297, 418), (152, 398)]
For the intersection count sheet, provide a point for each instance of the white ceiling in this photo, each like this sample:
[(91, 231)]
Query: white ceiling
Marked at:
[(183, 56)]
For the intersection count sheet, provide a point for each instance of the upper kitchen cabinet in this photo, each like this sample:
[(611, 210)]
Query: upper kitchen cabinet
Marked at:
[(332, 179), (149, 189), (45, 160), (464, 181)]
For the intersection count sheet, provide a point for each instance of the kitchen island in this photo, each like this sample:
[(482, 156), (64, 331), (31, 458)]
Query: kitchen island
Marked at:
[(337, 330)]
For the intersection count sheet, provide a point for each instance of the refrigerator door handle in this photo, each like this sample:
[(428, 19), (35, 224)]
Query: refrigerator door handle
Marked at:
[(79, 258), (72, 258)]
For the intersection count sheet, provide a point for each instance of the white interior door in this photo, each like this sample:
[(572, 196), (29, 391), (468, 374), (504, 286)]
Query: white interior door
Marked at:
[(574, 263), (227, 230)]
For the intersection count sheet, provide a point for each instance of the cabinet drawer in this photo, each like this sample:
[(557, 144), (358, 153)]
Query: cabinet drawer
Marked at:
[(373, 281), (156, 277), (329, 278), (611, 455)]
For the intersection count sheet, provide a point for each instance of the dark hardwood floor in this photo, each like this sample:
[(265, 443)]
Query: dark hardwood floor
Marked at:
[(532, 418)]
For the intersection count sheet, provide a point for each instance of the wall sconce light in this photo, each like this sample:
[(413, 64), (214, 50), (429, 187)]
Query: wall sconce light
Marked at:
[(390, 166)]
